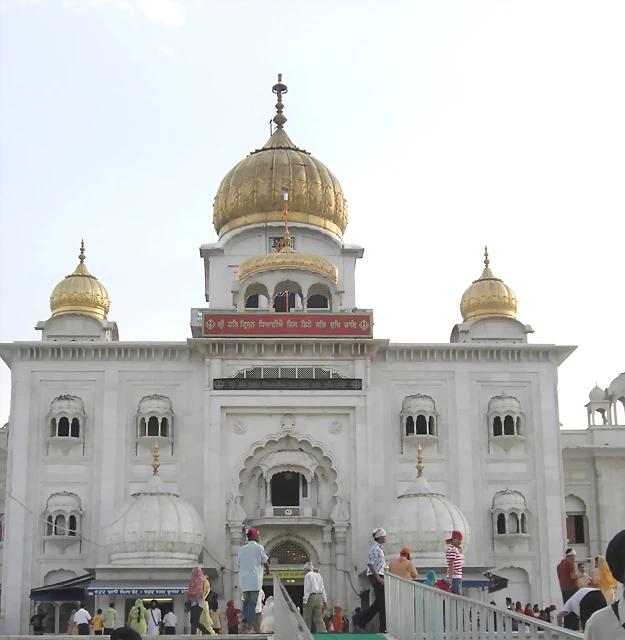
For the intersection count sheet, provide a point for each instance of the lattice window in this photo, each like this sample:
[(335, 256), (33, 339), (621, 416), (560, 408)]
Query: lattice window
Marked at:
[(289, 553), (288, 373)]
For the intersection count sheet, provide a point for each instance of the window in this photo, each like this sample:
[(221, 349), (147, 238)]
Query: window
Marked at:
[(513, 523), (252, 302), (422, 425), (501, 524), (72, 526), (524, 527), (497, 428), (318, 301), (75, 430), (432, 426), (285, 489), (288, 373), (49, 526), (153, 426), (508, 426), (304, 487), (280, 302), (575, 529), (63, 431), (289, 553), (409, 426), (59, 526)]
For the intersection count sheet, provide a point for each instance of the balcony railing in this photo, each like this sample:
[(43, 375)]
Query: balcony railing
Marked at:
[(417, 612)]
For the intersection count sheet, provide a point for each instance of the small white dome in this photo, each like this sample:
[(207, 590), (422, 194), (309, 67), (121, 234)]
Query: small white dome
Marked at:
[(509, 499), (156, 527), (155, 404), (67, 404), (597, 395), (423, 520), (504, 404), (63, 501), (418, 402)]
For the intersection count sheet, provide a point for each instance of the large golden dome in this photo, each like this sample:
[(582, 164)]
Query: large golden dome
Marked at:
[(80, 292), (251, 192), (488, 297), (287, 258)]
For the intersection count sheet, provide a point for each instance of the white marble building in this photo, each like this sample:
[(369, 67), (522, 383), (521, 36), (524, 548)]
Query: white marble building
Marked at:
[(311, 437)]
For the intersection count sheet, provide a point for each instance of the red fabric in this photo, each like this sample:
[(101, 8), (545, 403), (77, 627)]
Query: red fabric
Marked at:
[(232, 615), (442, 585), (565, 569)]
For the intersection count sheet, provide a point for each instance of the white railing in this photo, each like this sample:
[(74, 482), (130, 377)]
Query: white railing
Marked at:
[(417, 612), (288, 624)]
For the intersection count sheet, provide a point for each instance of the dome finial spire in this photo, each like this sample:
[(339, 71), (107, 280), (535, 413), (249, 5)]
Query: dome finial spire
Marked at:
[(279, 89), (420, 465), (155, 464), (486, 260), (81, 257)]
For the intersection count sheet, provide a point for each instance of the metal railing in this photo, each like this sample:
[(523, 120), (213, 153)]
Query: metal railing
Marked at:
[(288, 624), (417, 612)]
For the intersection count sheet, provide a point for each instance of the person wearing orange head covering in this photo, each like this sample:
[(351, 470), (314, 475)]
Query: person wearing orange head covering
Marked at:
[(337, 621), (403, 567)]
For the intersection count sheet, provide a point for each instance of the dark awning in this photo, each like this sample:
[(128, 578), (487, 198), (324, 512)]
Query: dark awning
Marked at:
[(72, 589)]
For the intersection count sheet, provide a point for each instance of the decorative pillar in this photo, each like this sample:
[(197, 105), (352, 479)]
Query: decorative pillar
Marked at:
[(236, 542), (325, 560), (340, 535)]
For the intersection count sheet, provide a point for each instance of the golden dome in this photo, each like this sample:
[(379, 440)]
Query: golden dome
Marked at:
[(80, 292), (287, 258), (251, 192), (488, 297)]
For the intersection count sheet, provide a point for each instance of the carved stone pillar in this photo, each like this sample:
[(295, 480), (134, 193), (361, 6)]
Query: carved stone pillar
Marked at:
[(231, 583), (325, 560), (340, 536)]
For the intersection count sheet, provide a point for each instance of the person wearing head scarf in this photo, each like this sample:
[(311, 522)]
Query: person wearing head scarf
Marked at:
[(197, 598), (403, 567), (232, 616), (336, 625), (430, 578), (266, 626), (138, 618), (376, 565), (72, 627), (603, 579)]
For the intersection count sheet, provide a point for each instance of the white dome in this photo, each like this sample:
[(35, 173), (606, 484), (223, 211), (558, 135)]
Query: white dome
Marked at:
[(509, 499), (597, 395), (418, 402), (503, 404), (423, 520), (155, 404), (67, 404), (156, 527)]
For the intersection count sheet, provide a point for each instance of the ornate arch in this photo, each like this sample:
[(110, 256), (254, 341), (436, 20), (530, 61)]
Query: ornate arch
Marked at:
[(302, 542)]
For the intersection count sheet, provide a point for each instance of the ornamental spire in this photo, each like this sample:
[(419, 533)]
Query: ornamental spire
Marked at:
[(279, 89), (155, 464), (81, 257), (486, 260), (420, 465)]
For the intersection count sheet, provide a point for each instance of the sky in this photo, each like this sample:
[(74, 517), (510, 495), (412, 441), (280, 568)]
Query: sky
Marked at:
[(450, 125)]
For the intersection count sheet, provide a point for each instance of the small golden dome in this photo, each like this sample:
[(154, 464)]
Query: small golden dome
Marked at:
[(488, 297), (251, 190), (80, 292), (287, 258)]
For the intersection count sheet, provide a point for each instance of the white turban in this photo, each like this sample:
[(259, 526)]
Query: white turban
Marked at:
[(379, 533), (308, 566)]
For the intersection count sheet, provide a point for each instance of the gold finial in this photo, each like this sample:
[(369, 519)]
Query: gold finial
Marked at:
[(81, 257), (420, 465), (279, 89), (155, 464), (486, 260)]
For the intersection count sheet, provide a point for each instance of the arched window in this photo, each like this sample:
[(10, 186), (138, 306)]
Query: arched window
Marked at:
[(289, 553), (142, 428), (72, 528), (285, 489), (59, 525), (318, 301), (409, 426), (53, 428), (252, 302), (518, 426), (153, 428), (165, 428), (501, 523), (63, 431), (49, 526), (497, 426), (432, 426), (524, 527), (513, 523), (75, 430), (280, 302), (508, 426), (422, 425)]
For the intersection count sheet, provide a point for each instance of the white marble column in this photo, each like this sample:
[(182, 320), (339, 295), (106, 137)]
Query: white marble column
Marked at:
[(231, 582), (340, 536)]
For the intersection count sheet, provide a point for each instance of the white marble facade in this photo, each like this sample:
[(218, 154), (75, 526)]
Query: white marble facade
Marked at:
[(87, 409)]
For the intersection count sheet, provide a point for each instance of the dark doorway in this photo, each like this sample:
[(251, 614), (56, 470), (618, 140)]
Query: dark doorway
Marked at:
[(285, 489), (279, 303)]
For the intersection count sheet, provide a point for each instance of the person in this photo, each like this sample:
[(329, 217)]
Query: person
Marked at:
[(375, 570), (251, 559), (197, 598), (536, 611), (109, 618), (37, 622), (454, 562), (97, 623), (124, 633), (169, 623), (567, 577), (154, 619), (430, 578), (528, 611), (403, 567), (314, 599), (258, 612), (603, 579), (584, 602), (336, 626), (82, 618), (609, 623), (72, 627), (583, 579), (215, 613), (266, 626), (509, 604), (232, 617), (138, 618), (519, 608)]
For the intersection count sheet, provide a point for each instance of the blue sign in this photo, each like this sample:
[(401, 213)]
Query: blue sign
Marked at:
[(148, 591)]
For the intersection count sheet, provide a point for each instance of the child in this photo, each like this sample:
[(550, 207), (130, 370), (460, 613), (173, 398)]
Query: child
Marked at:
[(97, 623)]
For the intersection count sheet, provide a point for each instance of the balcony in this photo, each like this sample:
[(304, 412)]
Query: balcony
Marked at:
[(295, 515)]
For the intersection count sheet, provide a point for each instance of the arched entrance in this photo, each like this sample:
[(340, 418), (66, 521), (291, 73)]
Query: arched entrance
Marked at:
[(287, 557)]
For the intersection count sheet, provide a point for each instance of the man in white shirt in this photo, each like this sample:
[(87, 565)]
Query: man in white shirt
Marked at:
[(169, 622), (314, 599), (583, 603), (252, 558), (609, 623), (82, 619), (376, 567), (258, 612), (154, 619)]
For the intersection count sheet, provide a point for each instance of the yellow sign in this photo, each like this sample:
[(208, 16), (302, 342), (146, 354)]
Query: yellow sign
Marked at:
[(287, 574)]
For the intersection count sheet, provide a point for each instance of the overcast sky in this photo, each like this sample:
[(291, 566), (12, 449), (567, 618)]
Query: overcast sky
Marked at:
[(449, 125)]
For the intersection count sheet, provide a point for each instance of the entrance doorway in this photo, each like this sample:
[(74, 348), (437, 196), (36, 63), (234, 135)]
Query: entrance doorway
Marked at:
[(295, 591)]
